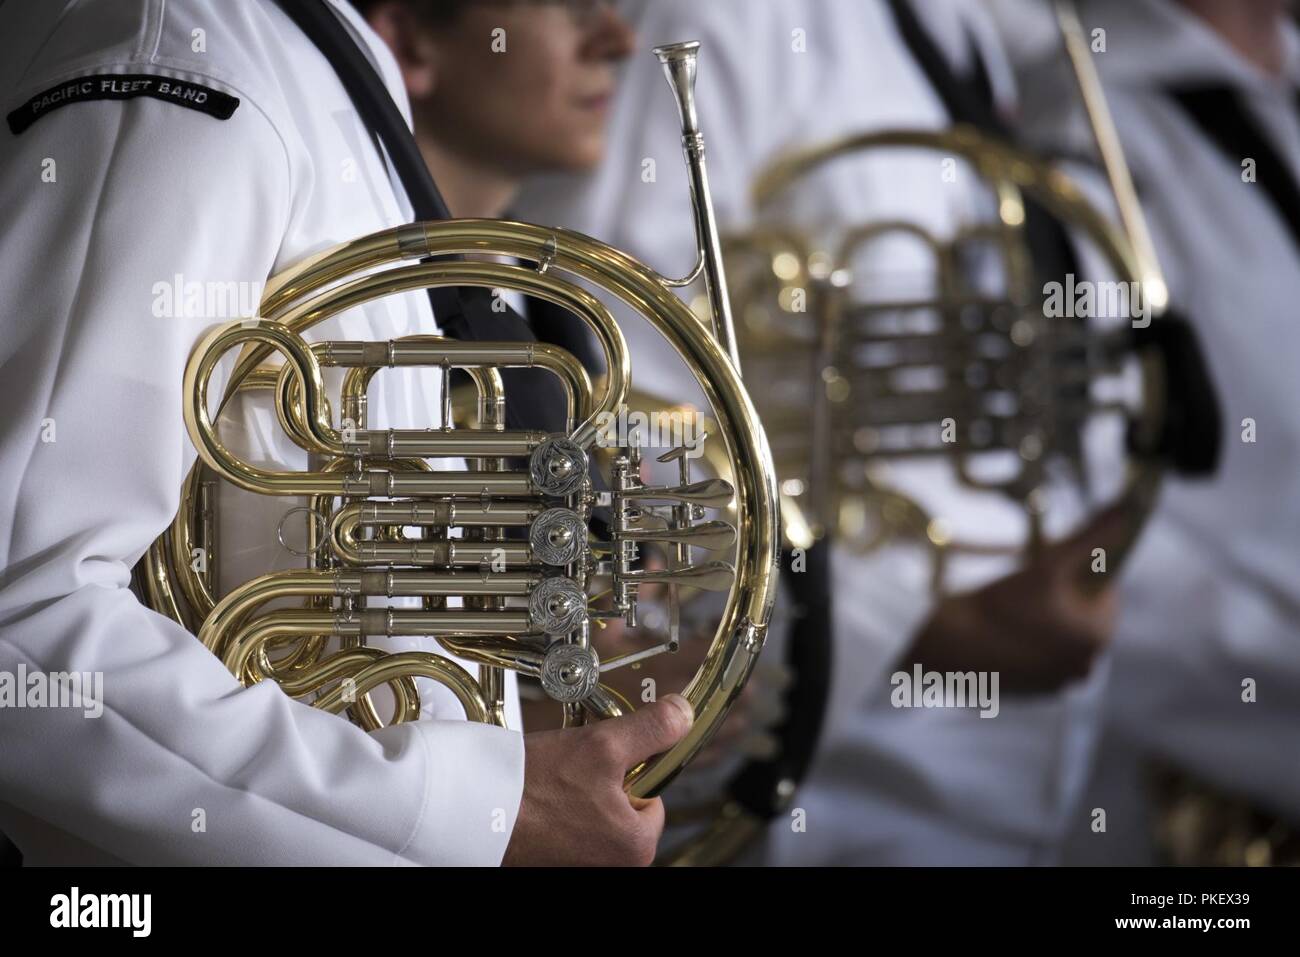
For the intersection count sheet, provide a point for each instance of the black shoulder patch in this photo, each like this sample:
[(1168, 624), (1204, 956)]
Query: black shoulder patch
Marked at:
[(124, 86)]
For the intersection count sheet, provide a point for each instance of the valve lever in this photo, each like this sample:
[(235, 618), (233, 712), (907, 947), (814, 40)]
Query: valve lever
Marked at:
[(634, 657), (714, 535), (711, 493), (708, 576)]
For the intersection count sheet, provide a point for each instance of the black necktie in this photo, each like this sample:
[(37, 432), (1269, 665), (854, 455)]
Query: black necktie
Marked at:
[(1222, 116), (558, 326)]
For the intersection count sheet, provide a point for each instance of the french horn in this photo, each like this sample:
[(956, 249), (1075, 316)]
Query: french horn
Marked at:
[(501, 555), (957, 372)]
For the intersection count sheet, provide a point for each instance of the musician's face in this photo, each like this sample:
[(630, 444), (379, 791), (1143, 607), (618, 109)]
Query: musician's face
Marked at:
[(523, 85)]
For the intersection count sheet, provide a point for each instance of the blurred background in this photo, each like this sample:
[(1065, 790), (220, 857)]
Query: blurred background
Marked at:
[(1018, 320)]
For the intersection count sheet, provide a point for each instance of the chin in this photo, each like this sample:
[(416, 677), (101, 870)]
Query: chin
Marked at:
[(586, 163), (560, 152), (584, 154), (574, 158)]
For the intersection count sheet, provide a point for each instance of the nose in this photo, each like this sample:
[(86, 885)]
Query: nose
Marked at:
[(610, 36)]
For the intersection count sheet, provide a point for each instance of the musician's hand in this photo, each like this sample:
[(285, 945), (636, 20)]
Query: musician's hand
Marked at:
[(1039, 628), (574, 809), (672, 672)]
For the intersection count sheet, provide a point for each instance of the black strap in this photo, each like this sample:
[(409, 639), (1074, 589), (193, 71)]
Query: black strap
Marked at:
[(1222, 115), (532, 401), (1191, 437), (970, 101), (370, 95), (763, 787), (967, 101)]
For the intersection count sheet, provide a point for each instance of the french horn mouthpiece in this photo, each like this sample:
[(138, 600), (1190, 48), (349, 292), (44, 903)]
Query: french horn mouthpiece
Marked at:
[(679, 62)]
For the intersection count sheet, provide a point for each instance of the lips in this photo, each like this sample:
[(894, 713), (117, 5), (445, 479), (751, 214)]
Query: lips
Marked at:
[(599, 101)]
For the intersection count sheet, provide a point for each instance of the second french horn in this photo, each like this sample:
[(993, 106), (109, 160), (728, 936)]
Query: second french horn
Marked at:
[(967, 365)]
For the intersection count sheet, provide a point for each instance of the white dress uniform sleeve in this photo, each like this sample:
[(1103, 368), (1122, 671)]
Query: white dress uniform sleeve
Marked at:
[(182, 766)]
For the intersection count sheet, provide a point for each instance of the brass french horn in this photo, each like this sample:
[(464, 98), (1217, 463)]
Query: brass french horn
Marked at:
[(506, 568), (955, 372)]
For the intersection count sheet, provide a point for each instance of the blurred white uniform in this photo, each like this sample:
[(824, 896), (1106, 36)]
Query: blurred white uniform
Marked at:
[(147, 192), (1211, 596), (888, 786)]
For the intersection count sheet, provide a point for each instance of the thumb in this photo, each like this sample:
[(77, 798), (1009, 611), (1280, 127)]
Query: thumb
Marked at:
[(652, 729)]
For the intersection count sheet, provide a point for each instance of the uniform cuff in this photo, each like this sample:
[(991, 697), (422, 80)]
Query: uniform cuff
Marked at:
[(473, 786)]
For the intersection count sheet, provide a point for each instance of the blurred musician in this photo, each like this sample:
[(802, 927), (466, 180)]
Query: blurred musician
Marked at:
[(1205, 670), (888, 785)]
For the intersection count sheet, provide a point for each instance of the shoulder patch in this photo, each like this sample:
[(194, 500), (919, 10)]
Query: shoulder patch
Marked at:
[(124, 86)]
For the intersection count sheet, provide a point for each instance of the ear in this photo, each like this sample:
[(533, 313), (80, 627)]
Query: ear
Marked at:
[(409, 40)]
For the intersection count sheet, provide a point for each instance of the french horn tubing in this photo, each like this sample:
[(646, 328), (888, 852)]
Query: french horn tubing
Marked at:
[(506, 567)]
